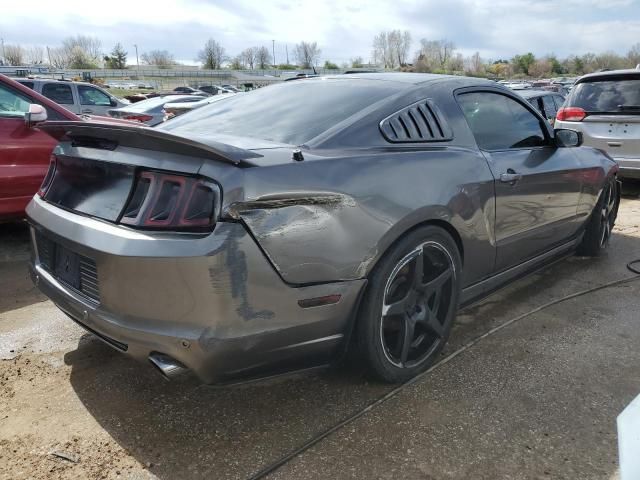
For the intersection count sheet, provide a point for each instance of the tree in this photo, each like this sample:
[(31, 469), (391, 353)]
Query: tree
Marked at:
[(159, 58), (329, 65), (540, 68), (13, 54), (35, 55), (306, 54), (263, 57), (357, 62), (249, 57), (118, 58), (212, 55), (236, 63), (475, 65), (556, 66), (434, 55), (391, 49), (81, 51), (521, 63), (633, 57)]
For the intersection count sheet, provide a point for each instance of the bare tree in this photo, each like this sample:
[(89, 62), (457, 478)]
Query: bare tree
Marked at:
[(14, 54), (399, 44), (540, 68), (58, 58), (159, 58), (633, 57), (306, 54), (212, 55), (82, 51), (249, 57), (35, 55), (474, 64), (357, 62), (382, 51), (237, 63), (434, 55), (263, 57)]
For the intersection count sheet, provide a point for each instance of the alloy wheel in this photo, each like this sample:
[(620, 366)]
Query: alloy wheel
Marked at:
[(607, 215), (418, 298)]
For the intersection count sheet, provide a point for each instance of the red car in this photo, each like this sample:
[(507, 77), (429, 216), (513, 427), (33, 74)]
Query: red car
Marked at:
[(24, 150)]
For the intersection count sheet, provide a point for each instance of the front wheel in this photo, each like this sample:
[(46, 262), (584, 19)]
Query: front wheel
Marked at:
[(600, 224), (410, 305)]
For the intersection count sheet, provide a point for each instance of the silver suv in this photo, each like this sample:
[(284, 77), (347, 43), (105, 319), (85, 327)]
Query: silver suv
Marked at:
[(605, 107), (78, 97)]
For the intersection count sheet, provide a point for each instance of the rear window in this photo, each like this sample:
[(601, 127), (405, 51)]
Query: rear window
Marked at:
[(58, 92), (291, 112), (608, 95)]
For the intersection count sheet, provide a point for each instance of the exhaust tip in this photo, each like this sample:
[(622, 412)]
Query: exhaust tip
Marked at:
[(168, 367)]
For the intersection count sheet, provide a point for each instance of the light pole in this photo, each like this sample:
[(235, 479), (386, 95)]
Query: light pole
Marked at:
[(4, 58), (273, 49), (137, 60)]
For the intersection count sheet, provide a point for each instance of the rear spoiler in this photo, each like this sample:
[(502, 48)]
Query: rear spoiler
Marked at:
[(109, 136)]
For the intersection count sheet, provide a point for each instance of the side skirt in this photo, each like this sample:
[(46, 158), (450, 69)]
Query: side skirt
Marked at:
[(480, 290)]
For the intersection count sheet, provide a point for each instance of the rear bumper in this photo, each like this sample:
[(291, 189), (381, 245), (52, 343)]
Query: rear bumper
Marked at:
[(213, 302), (629, 167)]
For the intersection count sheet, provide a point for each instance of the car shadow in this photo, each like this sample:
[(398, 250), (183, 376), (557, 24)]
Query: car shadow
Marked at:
[(233, 432), (15, 284)]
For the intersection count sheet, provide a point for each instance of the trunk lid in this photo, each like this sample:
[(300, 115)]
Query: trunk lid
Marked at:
[(618, 135)]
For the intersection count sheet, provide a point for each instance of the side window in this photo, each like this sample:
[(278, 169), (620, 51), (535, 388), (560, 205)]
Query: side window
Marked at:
[(549, 107), (12, 103), (93, 96), (58, 92), (559, 99), (28, 84), (499, 122)]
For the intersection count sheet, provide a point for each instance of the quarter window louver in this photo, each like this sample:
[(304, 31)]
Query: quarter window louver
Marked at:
[(419, 122)]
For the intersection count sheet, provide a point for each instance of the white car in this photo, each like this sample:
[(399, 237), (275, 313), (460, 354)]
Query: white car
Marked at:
[(175, 109)]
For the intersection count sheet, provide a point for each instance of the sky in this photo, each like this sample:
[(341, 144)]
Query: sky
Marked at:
[(342, 29)]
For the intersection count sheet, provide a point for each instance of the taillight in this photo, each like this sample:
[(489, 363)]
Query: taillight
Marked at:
[(571, 114), (48, 178), (140, 117), (171, 202)]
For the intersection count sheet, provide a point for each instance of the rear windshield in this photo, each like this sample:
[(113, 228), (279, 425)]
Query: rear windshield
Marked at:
[(291, 112), (608, 95)]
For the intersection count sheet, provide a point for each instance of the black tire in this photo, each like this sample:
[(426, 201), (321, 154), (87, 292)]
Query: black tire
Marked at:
[(403, 302), (601, 221)]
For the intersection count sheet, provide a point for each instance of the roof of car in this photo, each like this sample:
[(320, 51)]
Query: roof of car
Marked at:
[(412, 78), (53, 80), (536, 93), (610, 73)]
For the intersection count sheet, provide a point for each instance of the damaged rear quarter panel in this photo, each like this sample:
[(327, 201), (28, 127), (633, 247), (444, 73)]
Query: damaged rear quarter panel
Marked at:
[(330, 219)]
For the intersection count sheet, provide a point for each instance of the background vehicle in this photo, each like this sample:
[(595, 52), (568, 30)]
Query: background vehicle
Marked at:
[(189, 91), (605, 108), (547, 103), (150, 111), (263, 233), (216, 89), (173, 109), (77, 97), (25, 151)]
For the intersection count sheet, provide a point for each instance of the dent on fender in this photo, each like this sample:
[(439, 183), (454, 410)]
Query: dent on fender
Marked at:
[(318, 228)]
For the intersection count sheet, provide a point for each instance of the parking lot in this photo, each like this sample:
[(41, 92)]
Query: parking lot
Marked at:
[(528, 387)]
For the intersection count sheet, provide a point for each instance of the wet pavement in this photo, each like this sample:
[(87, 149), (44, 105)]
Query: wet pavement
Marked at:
[(535, 399)]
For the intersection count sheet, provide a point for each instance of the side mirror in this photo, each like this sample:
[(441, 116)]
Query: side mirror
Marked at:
[(568, 138), (36, 114), (113, 102)]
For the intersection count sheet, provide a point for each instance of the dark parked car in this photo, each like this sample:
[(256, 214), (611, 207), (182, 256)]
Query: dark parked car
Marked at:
[(188, 91), (546, 102), (271, 231)]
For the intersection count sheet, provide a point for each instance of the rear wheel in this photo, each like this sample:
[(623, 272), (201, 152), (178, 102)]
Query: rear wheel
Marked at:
[(600, 224), (410, 305)]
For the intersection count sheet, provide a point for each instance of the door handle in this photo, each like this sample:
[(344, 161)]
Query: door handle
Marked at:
[(87, 110), (510, 177)]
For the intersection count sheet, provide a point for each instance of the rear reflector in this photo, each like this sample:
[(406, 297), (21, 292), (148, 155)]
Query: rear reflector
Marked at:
[(171, 202), (571, 114), (46, 183)]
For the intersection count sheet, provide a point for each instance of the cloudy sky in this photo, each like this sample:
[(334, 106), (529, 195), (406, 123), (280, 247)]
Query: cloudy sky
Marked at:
[(343, 29)]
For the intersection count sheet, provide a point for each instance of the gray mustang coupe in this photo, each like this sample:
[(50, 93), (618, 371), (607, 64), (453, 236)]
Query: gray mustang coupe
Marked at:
[(274, 230)]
